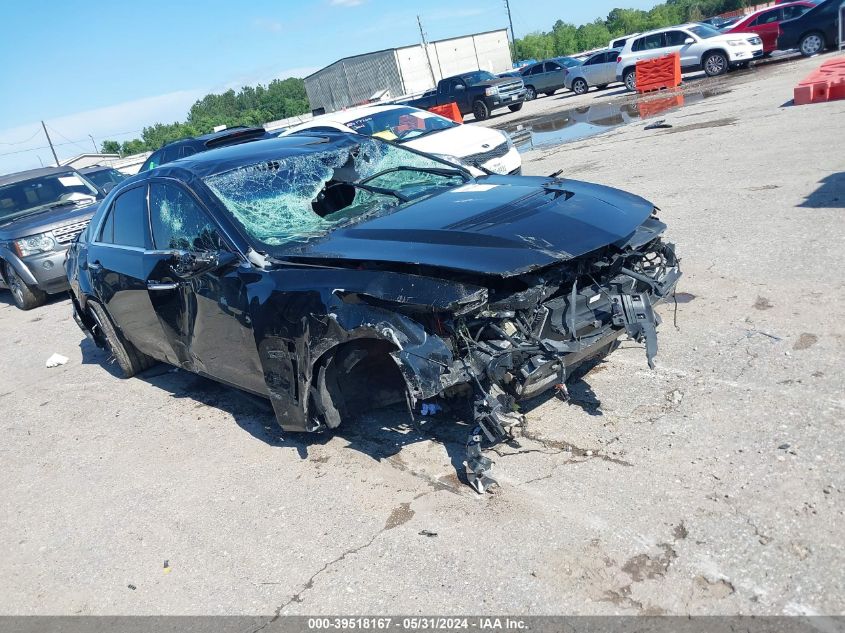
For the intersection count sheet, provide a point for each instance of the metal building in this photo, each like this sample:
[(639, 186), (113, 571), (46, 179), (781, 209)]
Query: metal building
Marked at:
[(397, 72)]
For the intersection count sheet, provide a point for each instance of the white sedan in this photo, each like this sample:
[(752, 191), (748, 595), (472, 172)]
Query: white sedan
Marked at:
[(424, 131)]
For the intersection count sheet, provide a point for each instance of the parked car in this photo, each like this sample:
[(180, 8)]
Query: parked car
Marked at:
[(766, 22), (482, 147), (700, 47), (598, 70), (103, 177), (720, 22), (192, 145), (41, 213), (509, 73), (546, 77), (479, 93), (814, 31), (336, 273), (619, 42)]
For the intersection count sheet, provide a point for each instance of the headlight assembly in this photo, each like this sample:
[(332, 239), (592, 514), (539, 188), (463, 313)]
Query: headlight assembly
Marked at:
[(34, 244)]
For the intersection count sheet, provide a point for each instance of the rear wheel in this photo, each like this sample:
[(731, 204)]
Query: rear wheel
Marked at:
[(630, 79), (130, 360), (579, 86), (516, 107), (480, 110), (530, 93), (715, 63), (25, 296), (811, 44)]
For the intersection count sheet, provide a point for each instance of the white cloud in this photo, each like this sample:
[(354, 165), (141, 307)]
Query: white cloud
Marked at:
[(267, 24), (346, 3)]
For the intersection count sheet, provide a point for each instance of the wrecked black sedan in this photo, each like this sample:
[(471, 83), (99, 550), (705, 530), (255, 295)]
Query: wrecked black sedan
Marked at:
[(336, 273)]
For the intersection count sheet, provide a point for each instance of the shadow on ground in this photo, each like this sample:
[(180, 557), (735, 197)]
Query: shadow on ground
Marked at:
[(830, 193)]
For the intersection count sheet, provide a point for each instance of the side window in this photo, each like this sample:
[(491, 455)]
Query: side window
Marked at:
[(179, 223), (154, 160), (675, 38), (126, 223), (537, 70), (595, 59), (794, 12), (186, 150), (638, 45), (169, 153), (552, 66), (653, 41)]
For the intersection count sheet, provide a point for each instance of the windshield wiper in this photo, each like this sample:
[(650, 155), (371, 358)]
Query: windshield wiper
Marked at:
[(439, 171), (382, 190)]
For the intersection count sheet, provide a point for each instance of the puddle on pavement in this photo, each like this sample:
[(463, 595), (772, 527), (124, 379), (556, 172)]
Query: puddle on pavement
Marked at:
[(575, 124)]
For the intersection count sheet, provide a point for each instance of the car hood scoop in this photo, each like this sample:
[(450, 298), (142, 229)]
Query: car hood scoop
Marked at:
[(501, 226)]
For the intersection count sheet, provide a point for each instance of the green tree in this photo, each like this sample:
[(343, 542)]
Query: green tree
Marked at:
[(110, 147)]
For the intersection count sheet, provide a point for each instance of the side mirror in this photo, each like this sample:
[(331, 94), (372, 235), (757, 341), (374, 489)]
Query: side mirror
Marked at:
[(191, 263), (460, 87), (689, 40)]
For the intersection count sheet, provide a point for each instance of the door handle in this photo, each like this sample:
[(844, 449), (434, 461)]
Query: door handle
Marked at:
[(94, 265), (161, 285)]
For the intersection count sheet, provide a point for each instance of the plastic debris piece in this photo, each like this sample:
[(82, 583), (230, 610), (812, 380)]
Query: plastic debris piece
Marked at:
[(658, 125), (427, 533), (56, 359), (430, 409), (132, 587)]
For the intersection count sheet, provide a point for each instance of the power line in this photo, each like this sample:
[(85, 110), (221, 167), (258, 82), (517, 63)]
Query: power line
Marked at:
[(36, 133)]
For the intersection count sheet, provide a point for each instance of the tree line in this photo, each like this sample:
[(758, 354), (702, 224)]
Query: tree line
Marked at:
[(566, 38), (251, 105)]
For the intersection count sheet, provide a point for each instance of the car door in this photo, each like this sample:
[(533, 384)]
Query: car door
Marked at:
[(649, 46), (119, 270), (205, 313), (766, 26), (607, 68), (675, 42), (554, 75), (590, 70)]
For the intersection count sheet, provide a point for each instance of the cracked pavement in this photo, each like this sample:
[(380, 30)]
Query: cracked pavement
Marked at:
[(712, 485)]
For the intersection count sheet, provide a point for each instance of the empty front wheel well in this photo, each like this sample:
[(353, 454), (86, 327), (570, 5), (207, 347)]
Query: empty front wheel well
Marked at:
[(354, 377)]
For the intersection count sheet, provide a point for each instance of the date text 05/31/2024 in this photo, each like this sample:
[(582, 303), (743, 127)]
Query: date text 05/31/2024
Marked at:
[(416, 623)]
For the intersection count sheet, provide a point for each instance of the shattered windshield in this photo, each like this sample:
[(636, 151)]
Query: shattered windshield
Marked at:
[(38, 194), (303, 196)]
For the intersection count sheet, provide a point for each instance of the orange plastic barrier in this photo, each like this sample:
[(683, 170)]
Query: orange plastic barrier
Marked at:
[(653, 107), (659, 73), (825, 84), (450, 111)]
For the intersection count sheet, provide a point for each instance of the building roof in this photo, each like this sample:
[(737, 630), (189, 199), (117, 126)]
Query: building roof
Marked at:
[(29, 174), (398, 48)]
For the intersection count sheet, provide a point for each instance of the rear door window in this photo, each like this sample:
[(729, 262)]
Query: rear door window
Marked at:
[(794, 12), (675, 38), (126, 223), (649, 42)]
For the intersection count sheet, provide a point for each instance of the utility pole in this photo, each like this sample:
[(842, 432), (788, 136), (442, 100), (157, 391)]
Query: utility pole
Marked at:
[(513, 37), (425, 48), (50, 142), (96, 151)]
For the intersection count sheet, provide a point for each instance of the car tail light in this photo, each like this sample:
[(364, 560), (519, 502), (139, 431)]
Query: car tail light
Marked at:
[(619, 59)]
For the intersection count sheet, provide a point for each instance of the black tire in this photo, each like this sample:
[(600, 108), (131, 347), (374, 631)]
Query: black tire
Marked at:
[(130, 360), (580, 86), (26, 297), (602, 87), (630, 79), (715, 63), (812, 44), (516, 107), (530, 93), (743, 65), (480, 111), (550, 93)]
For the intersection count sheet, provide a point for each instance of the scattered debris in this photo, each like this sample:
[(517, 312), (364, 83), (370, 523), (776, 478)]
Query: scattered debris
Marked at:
[(783, 447), (430, 408), (167, 567), (56, 359), (132, 587), (805, 340), (762, 303), (428, 533), (658, 125)]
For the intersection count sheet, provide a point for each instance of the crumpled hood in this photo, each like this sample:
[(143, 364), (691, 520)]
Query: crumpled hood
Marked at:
[(500, 226), (46, 220)]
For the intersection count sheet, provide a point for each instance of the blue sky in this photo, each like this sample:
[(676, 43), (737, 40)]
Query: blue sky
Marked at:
[(107, 68)]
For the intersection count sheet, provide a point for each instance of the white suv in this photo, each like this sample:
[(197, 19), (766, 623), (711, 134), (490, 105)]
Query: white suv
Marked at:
[(701, 47)]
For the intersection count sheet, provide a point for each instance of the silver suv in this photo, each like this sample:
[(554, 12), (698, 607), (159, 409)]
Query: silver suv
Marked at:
[(701, 47), (41, 212)]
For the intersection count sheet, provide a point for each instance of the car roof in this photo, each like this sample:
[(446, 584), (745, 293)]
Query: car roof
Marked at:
[(342, 116), (29, 174), (229, 157), (236, 130), (686, 25)]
